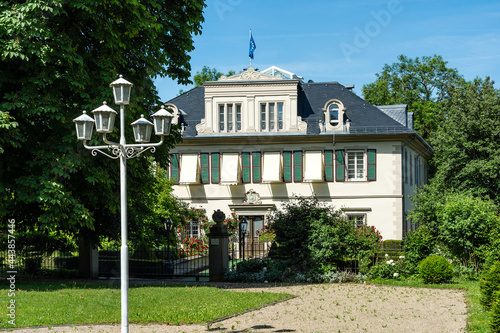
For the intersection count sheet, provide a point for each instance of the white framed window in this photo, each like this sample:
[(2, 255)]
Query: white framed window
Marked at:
[(194, 229), (356, 165), (230, 173), (334, 115), (313, 163), (189, 169), (272, 167), (358, 220), (271, 116), (229, 117)]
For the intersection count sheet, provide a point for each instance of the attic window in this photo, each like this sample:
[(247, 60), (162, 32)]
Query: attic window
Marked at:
[(333, 112), (334, 115), (271, 116), (229, 117)]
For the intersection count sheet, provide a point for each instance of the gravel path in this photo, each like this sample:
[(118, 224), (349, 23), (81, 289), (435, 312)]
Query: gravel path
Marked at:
[(328, 308)]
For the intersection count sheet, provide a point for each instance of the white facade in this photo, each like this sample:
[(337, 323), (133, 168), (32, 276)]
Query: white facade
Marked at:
[(253, 150)]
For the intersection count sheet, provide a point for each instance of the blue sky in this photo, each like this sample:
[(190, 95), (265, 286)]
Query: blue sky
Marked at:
[(346, 41)]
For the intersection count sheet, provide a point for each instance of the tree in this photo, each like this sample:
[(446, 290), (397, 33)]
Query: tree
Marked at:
[(467, 226), (57, 58), (460, 205), (421, 83), (467, 145), (209, 74)]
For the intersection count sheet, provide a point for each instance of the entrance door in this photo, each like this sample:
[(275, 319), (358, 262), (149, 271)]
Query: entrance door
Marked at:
[(253, 248)]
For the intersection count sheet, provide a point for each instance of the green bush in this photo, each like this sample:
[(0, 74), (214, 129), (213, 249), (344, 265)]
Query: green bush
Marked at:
[(435, 269), (418, 245), (489, 284), (495, 313), (390, 269), (467, 226), (316, 237)]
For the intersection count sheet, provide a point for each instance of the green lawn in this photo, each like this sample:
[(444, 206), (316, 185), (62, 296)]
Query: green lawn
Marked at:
[(478, 318), (46, 303)]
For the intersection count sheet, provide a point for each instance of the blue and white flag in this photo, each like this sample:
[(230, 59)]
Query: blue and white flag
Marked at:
[(252, 46)]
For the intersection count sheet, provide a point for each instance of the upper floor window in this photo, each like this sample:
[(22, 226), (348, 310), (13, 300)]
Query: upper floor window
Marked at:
[(334, 111), (271, 116), (230, 117), (355, 165)]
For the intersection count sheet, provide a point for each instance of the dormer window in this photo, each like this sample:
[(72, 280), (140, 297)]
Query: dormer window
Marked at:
[(271, 116), (333, 112), (334, 115), (229, 117)]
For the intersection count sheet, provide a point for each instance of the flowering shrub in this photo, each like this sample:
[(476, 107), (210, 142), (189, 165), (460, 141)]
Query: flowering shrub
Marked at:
[(314, 236), (266, 234), (390, 269), (196, 214), (193, 246), (231, 223)]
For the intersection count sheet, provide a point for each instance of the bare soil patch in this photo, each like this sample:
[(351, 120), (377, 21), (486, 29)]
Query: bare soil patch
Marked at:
[(327, 308)]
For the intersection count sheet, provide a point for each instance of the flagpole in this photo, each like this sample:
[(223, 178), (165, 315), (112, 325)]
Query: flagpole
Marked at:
[(250, 37)]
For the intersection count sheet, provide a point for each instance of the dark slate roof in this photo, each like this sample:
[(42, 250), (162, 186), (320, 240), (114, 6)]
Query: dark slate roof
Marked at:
[(399, 113), (193, 104), (364, 117), (312, 97)]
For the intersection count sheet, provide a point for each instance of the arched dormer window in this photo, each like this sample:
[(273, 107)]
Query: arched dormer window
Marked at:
[(334, 115)]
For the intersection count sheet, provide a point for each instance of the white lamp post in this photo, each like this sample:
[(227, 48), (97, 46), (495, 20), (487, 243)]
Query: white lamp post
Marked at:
[(104, 118)]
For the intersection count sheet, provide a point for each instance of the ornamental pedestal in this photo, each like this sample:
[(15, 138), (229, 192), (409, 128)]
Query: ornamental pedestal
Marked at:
[(218, 250)]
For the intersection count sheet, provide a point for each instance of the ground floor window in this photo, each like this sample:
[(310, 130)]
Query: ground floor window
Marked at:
[(358, 220), (191, 230)]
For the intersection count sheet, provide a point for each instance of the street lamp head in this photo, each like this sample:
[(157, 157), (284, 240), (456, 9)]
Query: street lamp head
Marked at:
[(162, 120), (142, 129), (84, 126), (168, 224), (121, 90), (104, 118), (243, 224)]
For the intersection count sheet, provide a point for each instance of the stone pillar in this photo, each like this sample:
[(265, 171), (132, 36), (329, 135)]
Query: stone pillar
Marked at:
[(218, 251), (88, 260)]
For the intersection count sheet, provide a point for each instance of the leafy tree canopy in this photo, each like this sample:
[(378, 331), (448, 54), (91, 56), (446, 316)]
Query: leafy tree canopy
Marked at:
[(209, 74), (421, 83), (467, 145), (57, 58)]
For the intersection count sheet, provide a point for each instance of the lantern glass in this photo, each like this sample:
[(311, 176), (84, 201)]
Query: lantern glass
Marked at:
[(84, 126), (142, 130), (243, 224), (104, 118), (162, 121), (121, 90)]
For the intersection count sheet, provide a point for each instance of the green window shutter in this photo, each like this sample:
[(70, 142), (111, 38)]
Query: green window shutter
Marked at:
[(339, 165), (215, 168), (205, 168), (174, 168), (246, 167), (256, 167), (372, 165), (329, 165), (287, 166), (297, 166)]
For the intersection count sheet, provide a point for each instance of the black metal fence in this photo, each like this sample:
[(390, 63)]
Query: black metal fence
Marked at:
[(154, 264), (63, 264), (241, 248), (161, 263)]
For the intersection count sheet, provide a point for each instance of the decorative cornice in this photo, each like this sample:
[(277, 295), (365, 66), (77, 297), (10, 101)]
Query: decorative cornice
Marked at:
[(250, 75)]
